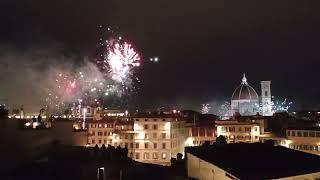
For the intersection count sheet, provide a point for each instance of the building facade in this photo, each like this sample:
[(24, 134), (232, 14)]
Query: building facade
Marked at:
[(149, 139), (235, 130), (304, 139)]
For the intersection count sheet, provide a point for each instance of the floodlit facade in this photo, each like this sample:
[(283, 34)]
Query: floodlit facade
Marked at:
[(245, 99), (148, 139), (304, 139), (240, 131)]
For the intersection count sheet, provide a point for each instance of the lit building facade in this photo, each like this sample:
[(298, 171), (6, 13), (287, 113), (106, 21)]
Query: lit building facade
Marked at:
[(240, 130), (149, 139), (245, 99), (304, 139)]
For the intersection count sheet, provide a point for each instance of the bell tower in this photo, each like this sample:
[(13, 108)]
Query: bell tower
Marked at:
[(266, 98)]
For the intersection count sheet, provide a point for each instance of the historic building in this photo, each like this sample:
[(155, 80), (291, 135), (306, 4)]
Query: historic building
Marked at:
[(246, 101), (149, 138)]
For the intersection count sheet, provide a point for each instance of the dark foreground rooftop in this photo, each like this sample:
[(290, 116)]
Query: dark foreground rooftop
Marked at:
[(258, 160)]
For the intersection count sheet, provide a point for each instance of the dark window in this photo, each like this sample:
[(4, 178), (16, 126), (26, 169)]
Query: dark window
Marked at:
[(137, 145), (293, 133), (210, 132), (146, 126), (155, 126), (202, 132), (299, 134), (194, 131), (163, 145), (155, 145), (266, 93), (131, 145), (305, 134), (288, 133), (137, 155)]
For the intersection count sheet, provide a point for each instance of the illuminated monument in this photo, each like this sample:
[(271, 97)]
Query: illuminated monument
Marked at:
[(245, 99)]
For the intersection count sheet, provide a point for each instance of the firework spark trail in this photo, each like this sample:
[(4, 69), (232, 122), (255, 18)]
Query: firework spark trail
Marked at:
[(205, 108)]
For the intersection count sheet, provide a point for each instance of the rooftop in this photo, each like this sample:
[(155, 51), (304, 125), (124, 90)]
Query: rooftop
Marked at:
[(258, 160)]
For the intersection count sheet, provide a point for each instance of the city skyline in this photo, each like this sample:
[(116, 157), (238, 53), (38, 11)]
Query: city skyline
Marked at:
[(203, 49)]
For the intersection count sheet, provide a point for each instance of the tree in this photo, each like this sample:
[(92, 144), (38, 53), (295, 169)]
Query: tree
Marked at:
[(221, 140)]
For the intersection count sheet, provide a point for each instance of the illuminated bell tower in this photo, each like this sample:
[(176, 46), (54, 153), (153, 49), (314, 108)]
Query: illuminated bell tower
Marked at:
[(266, 98)]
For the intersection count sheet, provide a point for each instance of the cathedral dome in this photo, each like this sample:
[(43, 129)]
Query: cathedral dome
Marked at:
[(244, 91)]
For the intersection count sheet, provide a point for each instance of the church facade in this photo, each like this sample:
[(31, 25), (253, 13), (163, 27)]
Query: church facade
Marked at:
[(246, 101)]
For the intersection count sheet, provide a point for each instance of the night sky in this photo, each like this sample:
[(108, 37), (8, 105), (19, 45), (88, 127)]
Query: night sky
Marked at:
[(204, 46)]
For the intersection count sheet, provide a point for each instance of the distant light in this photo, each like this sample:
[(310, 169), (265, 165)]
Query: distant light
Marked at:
[(27, 124)]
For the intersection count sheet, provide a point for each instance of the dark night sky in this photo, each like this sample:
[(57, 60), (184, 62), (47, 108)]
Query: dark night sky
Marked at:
[(204, 46)]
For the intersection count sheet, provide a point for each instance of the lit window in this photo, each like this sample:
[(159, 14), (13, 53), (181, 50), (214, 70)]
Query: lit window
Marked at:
[(155, 155), (223, 129), (145, 155), (164, 155), (100, 125)]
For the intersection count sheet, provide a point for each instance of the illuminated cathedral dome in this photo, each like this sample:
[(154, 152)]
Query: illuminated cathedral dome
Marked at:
[(244, 99), (244, 91)]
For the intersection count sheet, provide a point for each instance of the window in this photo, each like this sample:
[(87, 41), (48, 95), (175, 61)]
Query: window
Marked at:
[(100, 141), (155, 127), (131, 145), (318, 134), (93, 133), (145, 155), (288, 133), (154, 135), (146, 126), (210, 132), (223, 129), (312, 134), (137, 155), (131, 136), (266, 93), (155, 145), (305, 134), (163, 135), (126, 136), (255, 128), (202, 132), (164, 155), (105, 141), (93, 141), (137, 119), (145, 136), (155, 155), (163, 145), (232, 129), (247, 129), (146, 145), (194, 132), (154, 119), (137, 145), (299, 134), (293, 133), (99, 133), (105, 133), (115, 144), (100, 125), (163, 119), (240, 129), (126, 145)]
